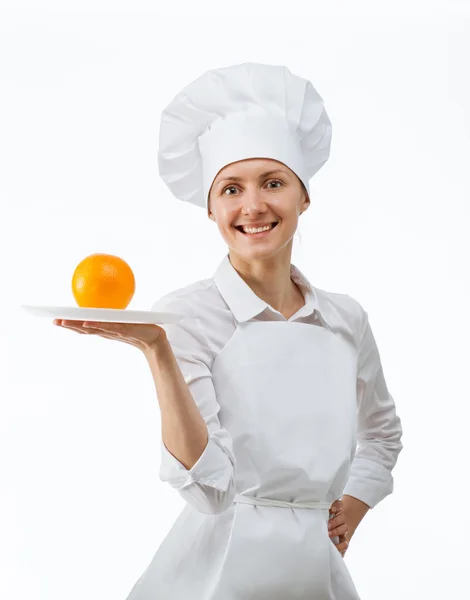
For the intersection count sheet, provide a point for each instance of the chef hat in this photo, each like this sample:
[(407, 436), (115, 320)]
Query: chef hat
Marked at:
[(233, 113)]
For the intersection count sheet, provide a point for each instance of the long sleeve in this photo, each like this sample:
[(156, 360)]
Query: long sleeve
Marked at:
[(379, 428), (209, 485)]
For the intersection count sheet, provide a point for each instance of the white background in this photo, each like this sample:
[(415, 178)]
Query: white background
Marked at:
[(82, 87)]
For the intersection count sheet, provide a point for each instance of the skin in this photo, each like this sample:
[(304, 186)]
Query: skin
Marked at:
[(264, 264)]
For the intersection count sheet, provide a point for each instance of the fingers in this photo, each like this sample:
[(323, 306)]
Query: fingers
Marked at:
[(66, 325), (342, 546), (141, 335), (337, 526), (338, 519), (342, 543), (337, 504), (112, 327), (79, 327), (87, 326), (105, 330), (336, 507), (341, 530)]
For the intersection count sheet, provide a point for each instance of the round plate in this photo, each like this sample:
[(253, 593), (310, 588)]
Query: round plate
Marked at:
[(108, 315)]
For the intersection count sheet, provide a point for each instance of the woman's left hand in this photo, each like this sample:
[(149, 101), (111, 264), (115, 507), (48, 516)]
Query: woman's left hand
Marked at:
[(337, 526)]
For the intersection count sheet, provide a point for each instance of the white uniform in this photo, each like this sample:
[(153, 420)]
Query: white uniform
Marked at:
[(285, 401)]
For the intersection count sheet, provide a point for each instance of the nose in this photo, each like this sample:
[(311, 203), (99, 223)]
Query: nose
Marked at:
[(254, 203)]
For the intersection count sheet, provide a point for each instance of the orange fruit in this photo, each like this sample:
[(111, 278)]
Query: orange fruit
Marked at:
[(103, 281)]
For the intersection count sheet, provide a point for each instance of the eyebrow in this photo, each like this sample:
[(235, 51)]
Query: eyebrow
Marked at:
[(265, 174)]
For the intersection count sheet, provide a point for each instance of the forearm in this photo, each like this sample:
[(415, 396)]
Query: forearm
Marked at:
[(354, 510), (184, 431)]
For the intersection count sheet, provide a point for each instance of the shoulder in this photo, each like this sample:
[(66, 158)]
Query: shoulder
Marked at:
[(345, 313), (199, 302), (186, 299), (341, 305)]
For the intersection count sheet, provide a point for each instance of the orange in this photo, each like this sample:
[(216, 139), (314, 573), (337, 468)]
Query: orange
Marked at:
[(103, 281)]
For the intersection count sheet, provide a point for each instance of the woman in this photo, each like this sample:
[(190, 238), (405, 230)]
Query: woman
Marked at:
[(268, 383)]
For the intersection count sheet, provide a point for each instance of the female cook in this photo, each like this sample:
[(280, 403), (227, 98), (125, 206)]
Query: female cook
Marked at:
[(273, 400)]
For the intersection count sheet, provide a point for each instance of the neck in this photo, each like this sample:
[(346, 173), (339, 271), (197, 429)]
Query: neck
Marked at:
[(270, 279)]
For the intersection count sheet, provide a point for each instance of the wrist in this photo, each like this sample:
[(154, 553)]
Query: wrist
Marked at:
[(355, 510), (158, 346)]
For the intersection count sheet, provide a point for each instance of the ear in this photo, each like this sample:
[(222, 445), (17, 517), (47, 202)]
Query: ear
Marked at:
[(306, 201), (209, 212)]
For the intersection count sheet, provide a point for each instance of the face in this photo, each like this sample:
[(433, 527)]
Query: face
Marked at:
[(252, 192)]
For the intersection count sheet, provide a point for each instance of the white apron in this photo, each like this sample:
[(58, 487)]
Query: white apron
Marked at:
[(289, 403)]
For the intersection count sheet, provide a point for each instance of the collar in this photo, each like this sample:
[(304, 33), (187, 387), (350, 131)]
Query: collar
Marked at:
[(245, 304)]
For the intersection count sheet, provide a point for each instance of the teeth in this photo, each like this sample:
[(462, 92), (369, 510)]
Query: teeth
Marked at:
[(256, 229)]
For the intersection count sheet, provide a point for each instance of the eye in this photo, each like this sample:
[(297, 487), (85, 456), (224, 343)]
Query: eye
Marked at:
[(233, 187), (230, 187)]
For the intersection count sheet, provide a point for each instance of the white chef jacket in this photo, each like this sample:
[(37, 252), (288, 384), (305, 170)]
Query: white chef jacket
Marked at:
[(298, 413)]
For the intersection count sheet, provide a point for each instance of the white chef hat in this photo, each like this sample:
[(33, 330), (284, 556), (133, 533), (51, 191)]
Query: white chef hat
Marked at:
[(233, 113)]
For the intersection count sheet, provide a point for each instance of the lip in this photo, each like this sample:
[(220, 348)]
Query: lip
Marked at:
[(255, 236)]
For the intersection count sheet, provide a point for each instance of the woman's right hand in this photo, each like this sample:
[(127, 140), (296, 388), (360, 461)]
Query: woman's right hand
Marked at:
[(145, 337)]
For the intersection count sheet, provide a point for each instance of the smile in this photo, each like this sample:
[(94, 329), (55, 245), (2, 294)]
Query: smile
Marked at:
[(257, 235)]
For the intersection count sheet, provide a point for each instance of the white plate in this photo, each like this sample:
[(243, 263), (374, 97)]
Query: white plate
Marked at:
[(108, 315)]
